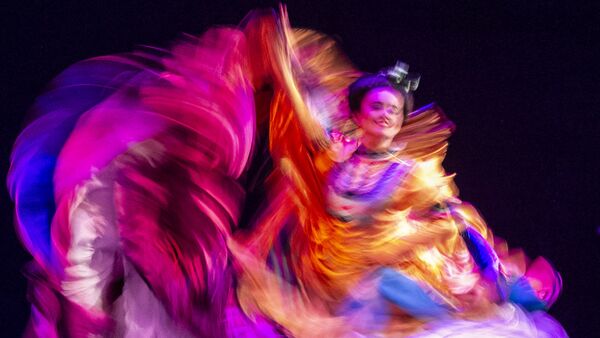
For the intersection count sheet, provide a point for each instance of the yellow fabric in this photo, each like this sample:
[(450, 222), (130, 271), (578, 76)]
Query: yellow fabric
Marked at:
[(330, 257)]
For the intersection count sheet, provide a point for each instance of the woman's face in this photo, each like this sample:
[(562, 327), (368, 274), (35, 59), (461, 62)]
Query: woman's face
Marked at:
[(381, 113)]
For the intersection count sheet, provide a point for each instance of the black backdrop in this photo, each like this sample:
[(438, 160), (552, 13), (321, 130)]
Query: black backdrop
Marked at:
[(518, 78)]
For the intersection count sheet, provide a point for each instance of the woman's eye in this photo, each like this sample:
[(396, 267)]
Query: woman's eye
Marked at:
[(376, 106)]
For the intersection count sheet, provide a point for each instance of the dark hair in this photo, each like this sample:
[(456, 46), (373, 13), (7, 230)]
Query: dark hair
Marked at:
[(359, 88)]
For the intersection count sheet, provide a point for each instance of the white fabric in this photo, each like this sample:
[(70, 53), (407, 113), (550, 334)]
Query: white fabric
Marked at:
[(94, 250), (508, 321)]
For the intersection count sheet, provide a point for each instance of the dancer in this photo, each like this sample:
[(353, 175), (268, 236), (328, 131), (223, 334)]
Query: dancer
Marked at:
[(133, 204)]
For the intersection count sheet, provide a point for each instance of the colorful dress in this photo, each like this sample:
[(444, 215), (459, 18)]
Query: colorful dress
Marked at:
[(131, 188)]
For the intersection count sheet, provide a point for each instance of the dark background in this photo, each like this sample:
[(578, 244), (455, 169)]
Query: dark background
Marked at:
[(519, 79)]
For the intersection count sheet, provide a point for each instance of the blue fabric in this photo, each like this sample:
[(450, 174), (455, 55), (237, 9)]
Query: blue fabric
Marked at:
[(486, 260), (522, 293), (36, 151), (479, 248), (408, 295)]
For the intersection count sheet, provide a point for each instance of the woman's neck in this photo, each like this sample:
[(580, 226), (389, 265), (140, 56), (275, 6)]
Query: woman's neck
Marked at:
[(378, 144)]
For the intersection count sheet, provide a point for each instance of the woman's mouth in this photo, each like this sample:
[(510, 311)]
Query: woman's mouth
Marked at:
[(383, 123)]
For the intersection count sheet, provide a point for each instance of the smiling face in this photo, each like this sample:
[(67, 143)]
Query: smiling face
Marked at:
[(381, 114)]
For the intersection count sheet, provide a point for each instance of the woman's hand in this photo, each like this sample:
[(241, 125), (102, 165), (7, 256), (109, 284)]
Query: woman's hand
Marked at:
[(341, 147)]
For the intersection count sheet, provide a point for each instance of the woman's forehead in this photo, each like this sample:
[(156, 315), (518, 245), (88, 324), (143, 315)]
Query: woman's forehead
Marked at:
[(384, 94)]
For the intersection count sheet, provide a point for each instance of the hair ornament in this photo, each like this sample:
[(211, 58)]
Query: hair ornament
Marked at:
[(400, 76)]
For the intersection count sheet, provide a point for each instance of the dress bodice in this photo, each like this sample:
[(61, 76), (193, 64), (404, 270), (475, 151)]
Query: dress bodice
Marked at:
[(363, 184)]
